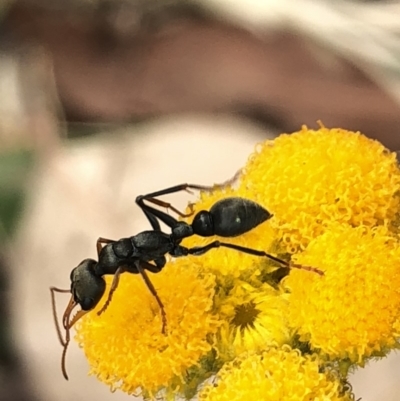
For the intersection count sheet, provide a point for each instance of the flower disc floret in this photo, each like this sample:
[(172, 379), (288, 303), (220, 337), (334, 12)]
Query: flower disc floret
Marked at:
[(311, 179), (276, 374), (350, 313)]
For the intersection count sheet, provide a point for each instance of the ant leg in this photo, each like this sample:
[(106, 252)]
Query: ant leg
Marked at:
[(154, 214), (186, 187), (114, 286), (167, 206), (216, 244), (157, 267), (150, 286), (101, 241), (172, 190), (229, 181)]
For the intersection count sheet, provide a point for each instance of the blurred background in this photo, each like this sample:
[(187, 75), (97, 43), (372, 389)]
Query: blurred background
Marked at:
[(103, 100)]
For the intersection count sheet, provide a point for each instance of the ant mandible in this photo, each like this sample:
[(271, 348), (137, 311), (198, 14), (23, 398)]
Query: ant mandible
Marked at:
[(229, 217)]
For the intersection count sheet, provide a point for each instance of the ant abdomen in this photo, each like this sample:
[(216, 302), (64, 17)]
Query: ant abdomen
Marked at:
[(230, 217)]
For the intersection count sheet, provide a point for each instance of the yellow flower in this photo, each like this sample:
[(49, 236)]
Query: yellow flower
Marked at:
[(254, 318), (125, 347), (276, 374), (351, 312), (310, 179)]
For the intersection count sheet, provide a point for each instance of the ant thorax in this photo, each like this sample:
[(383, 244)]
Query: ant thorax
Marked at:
[(109, 261)]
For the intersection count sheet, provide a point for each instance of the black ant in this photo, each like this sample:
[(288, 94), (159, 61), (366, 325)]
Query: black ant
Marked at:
[(229, 217)]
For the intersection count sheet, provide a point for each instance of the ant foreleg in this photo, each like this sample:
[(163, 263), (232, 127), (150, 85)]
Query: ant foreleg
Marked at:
[(217, 244), (114, 286), (150, 286)]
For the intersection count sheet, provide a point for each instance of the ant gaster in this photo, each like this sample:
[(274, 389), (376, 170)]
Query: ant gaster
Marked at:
[(229, 217)]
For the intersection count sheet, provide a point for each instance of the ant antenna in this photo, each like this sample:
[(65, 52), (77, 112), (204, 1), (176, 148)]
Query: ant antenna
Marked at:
[(54, 307), (64, 355), (67, 324)]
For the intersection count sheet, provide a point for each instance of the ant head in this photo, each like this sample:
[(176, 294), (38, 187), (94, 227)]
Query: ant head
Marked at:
[(87, 287)]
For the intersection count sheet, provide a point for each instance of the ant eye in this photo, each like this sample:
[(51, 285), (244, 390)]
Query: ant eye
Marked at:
[(87, 303)]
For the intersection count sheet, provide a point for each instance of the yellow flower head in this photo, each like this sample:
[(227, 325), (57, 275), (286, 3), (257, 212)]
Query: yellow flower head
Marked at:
[(276, 374), (254, 318), (310, 179), (351, 312), (125, 346)]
